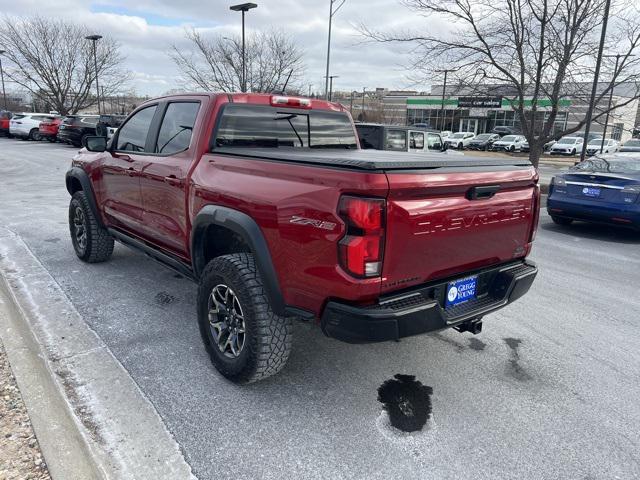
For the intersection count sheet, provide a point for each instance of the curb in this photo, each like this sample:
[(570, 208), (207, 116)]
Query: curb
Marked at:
[(90, 418)]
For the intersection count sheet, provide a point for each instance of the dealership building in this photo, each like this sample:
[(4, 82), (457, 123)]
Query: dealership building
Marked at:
[(462, 109)]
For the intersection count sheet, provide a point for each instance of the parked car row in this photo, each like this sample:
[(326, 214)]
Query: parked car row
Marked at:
[(568, 145), (72, 129)]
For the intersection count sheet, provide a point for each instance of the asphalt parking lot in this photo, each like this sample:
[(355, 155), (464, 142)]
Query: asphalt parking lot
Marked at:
[(548, 390)]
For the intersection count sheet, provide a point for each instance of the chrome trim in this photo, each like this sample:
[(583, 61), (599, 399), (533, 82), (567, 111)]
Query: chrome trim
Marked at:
[(586, 184)]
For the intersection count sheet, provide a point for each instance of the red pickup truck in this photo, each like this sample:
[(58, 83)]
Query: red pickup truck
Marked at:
[(268, 203)]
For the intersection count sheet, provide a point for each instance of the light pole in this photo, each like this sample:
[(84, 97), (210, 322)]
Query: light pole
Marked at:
[(444, 89), (4, 94), (243, 7), (331, 77), (594, 88), (364, 89), (94, 39), (613, 83), (332, 12)]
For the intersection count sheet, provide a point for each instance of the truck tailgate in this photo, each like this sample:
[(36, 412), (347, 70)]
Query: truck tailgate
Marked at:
[(445, 222)]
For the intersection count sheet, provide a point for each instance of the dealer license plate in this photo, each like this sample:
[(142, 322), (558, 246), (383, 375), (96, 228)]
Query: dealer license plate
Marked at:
[(461, 291), (591, 191)]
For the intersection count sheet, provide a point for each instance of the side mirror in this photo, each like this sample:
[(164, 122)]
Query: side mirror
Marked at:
[(96, 144)]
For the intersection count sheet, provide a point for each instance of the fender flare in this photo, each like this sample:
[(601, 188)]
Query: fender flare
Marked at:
[(81, 176), (246, 227)]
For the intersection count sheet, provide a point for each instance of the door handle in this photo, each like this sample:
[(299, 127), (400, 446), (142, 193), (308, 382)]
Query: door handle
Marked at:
[(126, 158), (478, 193), (173, 180), (131, 172)]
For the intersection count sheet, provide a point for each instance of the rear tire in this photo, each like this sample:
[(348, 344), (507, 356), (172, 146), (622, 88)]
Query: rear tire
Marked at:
[(562, 221), (91, 242), (34, 135), (245, 339)]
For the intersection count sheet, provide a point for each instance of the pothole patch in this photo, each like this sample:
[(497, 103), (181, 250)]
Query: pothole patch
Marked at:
[(407, 408)]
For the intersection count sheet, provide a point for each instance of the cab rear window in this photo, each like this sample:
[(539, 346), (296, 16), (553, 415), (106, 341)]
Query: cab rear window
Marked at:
[(269, 127)]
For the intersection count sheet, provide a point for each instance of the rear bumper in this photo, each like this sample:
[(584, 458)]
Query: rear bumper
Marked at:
[(420, 310), (70, 136), (19, 132), (624, 215)]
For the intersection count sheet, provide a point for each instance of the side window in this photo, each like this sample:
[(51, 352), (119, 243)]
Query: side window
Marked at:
[(434, 142), (396, 140), (133, 134), (416, 140), (177, 126)]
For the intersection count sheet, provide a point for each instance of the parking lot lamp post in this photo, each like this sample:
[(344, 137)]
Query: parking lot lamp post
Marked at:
[(594, 88), (332, 12), (243, 7), (4, 94), (94, 39), (444, 89), (331, 77), (606, 119)]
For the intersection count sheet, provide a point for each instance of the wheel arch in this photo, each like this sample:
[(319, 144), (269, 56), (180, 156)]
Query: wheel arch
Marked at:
[(77, 179), (227, 221)]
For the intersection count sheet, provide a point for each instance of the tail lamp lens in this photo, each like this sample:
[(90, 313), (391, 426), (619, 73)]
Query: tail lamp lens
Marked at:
[(361, 250), (536, 213)]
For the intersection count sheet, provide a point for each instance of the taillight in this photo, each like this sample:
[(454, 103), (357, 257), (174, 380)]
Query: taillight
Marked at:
[(631, 193), (295, 102), (536, 213), (362, 248)]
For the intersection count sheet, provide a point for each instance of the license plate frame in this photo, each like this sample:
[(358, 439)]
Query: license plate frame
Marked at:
[(461, 291), (592, 192)]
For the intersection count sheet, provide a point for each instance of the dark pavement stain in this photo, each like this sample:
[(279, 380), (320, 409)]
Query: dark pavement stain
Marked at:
[(444, 339), (164, 298), (407, 401), (52, 240), (516, 370), (177, 275), (477, 345)]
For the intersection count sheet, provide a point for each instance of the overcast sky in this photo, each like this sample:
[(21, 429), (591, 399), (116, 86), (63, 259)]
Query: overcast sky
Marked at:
[(146, 28)]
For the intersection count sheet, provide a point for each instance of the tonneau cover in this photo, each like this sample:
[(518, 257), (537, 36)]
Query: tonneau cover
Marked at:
[(372, 159)]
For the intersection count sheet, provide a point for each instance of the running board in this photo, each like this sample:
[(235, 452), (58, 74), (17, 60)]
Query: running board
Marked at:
[(165, 259)]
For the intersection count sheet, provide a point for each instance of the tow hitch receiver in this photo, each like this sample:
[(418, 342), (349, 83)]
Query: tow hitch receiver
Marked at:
[(473, 326)]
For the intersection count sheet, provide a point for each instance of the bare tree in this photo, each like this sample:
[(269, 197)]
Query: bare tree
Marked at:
[(54, 62), (542, 51), (215, 64)]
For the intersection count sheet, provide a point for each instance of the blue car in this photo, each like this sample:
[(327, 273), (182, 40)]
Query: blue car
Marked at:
[(602, 189)]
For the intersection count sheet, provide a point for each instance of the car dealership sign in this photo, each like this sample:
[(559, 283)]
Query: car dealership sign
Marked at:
[(480, 102)]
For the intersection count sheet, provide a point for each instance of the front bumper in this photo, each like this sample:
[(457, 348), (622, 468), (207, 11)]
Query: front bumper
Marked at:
[(420, 310)]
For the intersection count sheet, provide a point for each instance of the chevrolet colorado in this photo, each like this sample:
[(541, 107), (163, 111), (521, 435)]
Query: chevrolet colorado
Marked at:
[(268, 203)]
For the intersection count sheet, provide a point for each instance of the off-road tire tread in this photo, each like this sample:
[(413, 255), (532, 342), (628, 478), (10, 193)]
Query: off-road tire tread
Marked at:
[(99, 242), (270, 347)]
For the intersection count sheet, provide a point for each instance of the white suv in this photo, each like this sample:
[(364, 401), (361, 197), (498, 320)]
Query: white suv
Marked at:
[(567, 146), (595, 146), (509, 143), (26, 125), (459, 140)]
